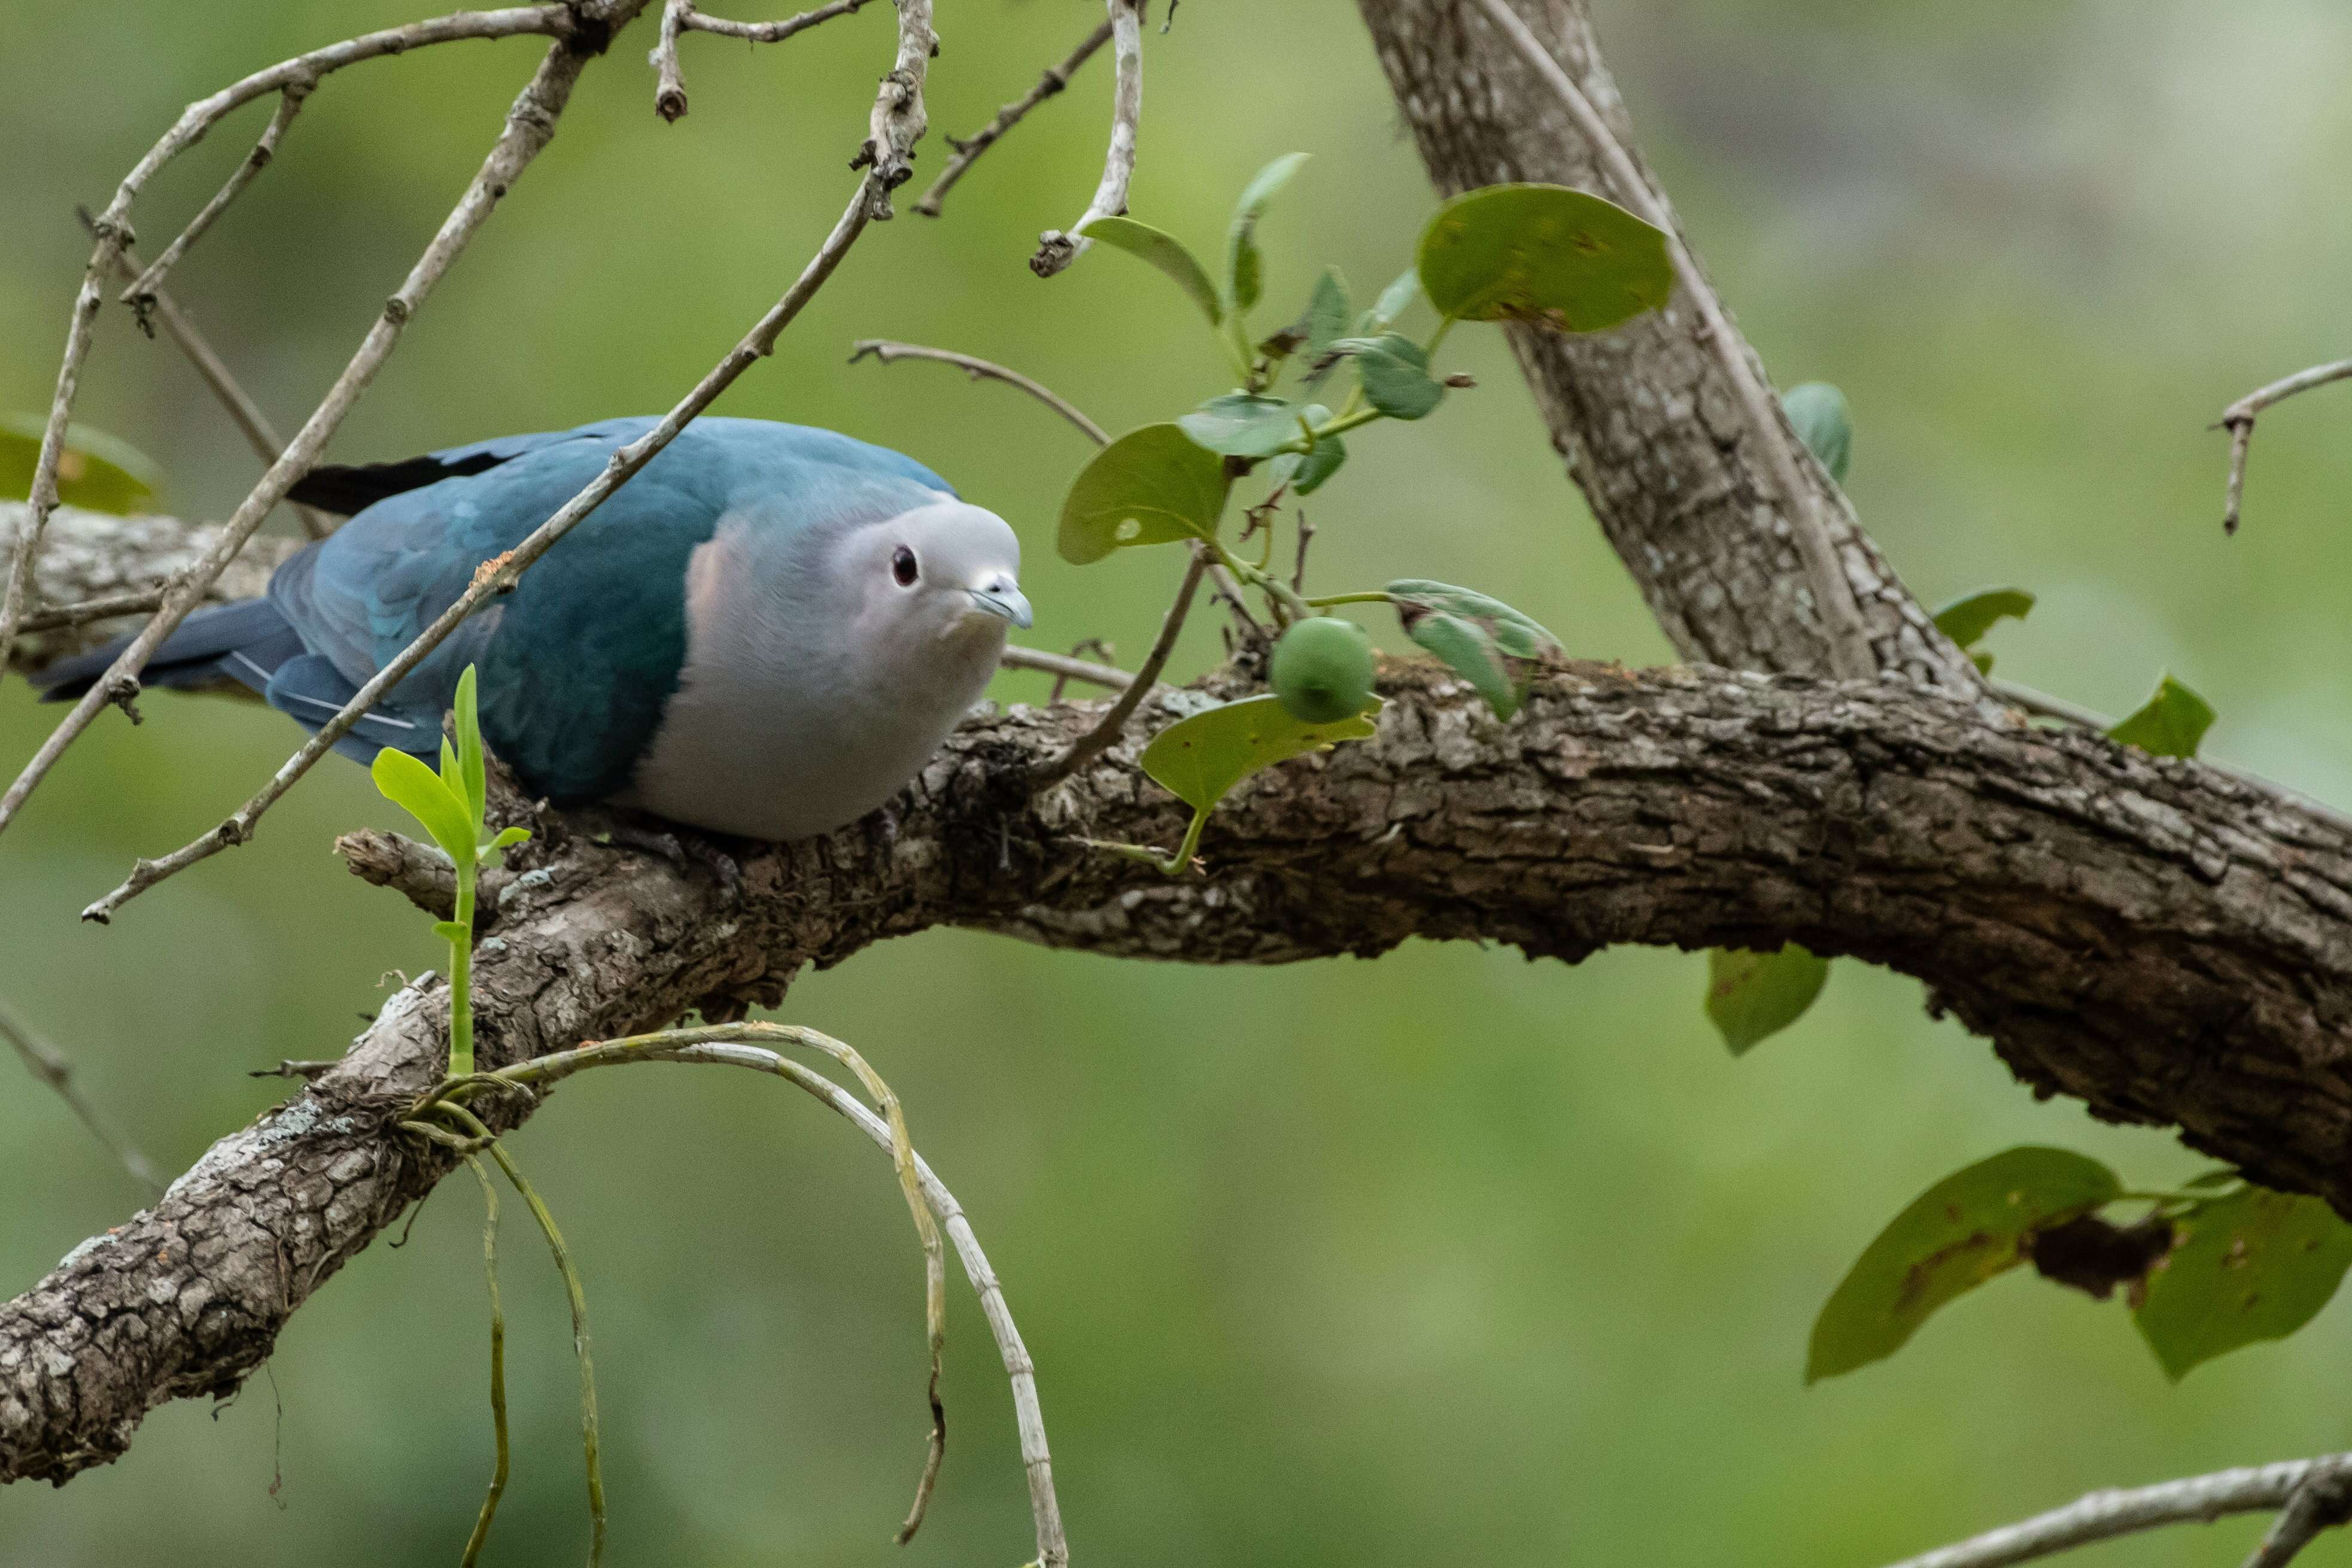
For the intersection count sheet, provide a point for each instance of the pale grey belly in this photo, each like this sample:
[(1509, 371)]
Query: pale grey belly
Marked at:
[(765, 766)]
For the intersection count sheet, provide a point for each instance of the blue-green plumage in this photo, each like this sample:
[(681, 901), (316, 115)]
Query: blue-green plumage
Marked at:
[(579, 664)]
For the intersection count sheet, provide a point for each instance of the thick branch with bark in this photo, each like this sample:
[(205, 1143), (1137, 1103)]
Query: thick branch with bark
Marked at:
[(2149, 935), (1653, 429)]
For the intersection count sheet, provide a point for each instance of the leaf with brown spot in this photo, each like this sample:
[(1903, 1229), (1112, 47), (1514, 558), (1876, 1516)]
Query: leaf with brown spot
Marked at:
[(2252, 1264), (1959, 1233)]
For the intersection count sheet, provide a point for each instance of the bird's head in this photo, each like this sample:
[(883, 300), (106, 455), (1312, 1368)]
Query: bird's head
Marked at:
[(947, 571)]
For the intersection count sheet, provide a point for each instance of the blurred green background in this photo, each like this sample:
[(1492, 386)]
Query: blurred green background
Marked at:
[(1442, 1257)]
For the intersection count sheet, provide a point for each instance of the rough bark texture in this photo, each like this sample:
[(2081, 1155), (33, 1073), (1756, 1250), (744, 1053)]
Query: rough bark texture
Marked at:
[(1650, 424), (2148, 935), (91, 555)]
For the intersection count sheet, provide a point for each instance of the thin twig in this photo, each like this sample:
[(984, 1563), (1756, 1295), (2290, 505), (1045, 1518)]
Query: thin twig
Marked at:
[(1851, 654), (48, 1064), (2238, 419), (243, 411), (669, 85), (885, 349), (132, 603), (768, 32), (968, 151), (724, 1044), (142, 290), (1105, 651), (1061, 664), (529, 125), (2322, 1500), (1306, 536), (2082, 718), (1106, 732), (2104, 1515), (1230, 592), (114, 232), (500, 574), (898, 118), (500, 1463), (1056, 248)]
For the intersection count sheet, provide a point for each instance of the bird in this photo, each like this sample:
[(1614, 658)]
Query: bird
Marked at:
[(766, 632)]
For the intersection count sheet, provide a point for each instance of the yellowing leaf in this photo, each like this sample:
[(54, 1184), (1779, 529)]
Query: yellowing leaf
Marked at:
[(1544, 254)]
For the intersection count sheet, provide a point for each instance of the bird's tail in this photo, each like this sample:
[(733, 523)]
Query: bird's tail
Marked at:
[(244, 642)]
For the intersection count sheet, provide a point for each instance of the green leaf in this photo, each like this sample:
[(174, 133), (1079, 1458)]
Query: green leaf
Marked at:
[(416, 789), (1394, 301), (1243, 425), (95, 471), (1149, 486), (1967, 619), (1545, 254), (2253, 1265), (1395, 372), (450, 930), (1328, 309), (1199, 758), (1164, 251), (1307, 471), (1522, 637), (507, 839), (1957, 1235), (1469, 648), (474, 773), (1752, 996), (2169, 723), (1244, 268), (1818, 410)]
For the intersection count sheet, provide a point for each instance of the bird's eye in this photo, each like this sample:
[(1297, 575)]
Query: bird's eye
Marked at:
[(903, 567)]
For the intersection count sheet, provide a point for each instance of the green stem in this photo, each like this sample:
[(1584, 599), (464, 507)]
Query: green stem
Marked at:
[(1445, 325), (481, 1535), (1272, 586), (1181, 861), (461, 971), (1375, 598)]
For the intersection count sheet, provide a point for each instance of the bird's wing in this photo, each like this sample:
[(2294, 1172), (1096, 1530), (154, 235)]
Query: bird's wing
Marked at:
[(575, 663), (349, 490)]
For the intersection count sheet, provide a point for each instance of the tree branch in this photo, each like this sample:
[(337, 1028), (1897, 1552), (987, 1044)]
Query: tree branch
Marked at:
[(2238, 419), (2104, 1515), (2148, 934), (968, 151), (1647, 414), (1056, 249)]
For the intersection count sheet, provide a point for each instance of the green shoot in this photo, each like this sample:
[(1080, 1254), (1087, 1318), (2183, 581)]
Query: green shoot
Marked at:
[(450, 805)]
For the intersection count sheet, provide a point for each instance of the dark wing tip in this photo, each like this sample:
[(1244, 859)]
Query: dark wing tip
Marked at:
[(348, 491)]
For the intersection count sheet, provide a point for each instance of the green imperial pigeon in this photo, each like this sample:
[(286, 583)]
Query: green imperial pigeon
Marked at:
[(768, 631)]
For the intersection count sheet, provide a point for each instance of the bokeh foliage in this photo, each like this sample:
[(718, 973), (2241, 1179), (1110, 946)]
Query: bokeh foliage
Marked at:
[(1437, 1258)]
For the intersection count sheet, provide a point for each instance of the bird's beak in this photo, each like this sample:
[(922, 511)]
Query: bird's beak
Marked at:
[(1001, 598)]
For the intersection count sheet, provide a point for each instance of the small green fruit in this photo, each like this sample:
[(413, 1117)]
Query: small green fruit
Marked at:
[(1322, 670)]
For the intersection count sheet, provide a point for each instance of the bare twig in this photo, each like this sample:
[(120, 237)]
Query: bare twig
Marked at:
[(898, 119), (679, 17), (725, 1044), (2082, 718), (1060, 665), (2238, 419), (45, 1062), (529, 125), (1849, 637), (1105, 651), (2322, 1500), (670, 86), (142, 290), (2104, 1515), (114, 232), (243, 411), (136, 601), (884, 350), (768, 32), (968, 151), (1056, 248), (1100, 739), (1306, 537)]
